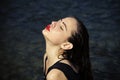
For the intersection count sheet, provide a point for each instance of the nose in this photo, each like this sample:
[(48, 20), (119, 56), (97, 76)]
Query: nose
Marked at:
[(54, 23)]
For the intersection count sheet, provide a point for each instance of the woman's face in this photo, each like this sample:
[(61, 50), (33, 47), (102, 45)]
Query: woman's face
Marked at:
[(59, 31)]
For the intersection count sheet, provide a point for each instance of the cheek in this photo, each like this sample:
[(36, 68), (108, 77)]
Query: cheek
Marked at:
[(57, 38)]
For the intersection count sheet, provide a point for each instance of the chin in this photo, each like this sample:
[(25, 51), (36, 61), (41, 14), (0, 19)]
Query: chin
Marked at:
[(44, 32)]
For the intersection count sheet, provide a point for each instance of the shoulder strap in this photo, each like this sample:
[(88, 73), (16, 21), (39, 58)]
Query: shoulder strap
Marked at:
[(66, 69), (48, 68)]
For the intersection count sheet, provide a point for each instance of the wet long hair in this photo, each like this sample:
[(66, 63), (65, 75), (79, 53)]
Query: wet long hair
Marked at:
[(79, 54)]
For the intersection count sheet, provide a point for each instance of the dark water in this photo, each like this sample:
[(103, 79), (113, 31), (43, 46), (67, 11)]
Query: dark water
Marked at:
[(22, 44)]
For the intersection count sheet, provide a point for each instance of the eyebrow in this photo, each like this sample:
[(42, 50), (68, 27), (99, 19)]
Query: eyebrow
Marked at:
[(64, 25)]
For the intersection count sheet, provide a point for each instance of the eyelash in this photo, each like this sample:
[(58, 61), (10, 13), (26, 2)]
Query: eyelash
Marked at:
[(61, 28)]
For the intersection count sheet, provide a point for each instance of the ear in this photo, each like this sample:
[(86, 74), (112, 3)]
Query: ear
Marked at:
[(67, 46)]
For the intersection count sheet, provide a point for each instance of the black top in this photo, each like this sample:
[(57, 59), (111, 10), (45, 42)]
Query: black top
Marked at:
[(66, 69)]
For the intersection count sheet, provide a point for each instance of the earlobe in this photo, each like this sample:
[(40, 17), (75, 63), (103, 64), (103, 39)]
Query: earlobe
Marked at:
[(67, 46)]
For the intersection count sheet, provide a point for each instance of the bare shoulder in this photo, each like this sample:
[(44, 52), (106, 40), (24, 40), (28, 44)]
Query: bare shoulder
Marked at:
[(56, 74)]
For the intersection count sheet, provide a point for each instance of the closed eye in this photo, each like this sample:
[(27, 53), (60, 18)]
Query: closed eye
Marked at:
[(61, 28)]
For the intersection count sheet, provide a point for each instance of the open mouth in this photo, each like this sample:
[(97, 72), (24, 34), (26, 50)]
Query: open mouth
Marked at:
[(48, 27)]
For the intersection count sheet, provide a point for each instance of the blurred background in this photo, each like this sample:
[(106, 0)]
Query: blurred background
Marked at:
[(22, 45)]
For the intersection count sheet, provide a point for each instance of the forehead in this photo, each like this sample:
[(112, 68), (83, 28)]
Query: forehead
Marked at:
[(71, 23), (70, 20)]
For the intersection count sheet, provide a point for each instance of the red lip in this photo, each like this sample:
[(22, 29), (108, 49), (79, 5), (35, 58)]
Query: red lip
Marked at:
[(48, 27)]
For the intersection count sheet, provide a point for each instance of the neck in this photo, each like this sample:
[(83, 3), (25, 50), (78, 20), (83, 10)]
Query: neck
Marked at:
[(52, 52)]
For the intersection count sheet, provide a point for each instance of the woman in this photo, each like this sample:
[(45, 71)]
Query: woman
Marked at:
[(67, 50)]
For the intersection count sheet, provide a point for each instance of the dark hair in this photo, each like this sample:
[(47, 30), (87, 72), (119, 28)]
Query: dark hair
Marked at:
[(79, 54)]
